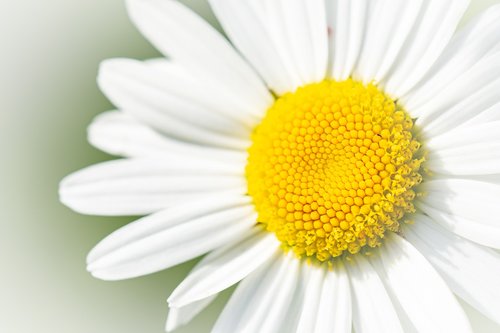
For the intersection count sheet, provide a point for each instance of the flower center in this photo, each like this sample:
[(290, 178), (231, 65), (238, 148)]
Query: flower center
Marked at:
[(333, 167)]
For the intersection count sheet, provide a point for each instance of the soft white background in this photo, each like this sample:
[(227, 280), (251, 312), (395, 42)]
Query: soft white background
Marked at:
[(49, 53)]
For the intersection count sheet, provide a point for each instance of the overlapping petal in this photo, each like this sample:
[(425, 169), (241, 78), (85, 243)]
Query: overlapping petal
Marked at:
[(471, 271), (417, 290), (171, 237)]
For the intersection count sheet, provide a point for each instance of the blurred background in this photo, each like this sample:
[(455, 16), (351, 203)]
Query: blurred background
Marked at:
[(49, 54)]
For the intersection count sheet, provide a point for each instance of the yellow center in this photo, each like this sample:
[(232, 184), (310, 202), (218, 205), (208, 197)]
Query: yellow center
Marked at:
[(333, 167)]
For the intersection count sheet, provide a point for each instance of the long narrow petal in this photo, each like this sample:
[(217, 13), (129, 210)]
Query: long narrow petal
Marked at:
[(469, 47), (158, 222), (172, 104), (466, 135), (143, 186), (472, 149), (260, 302), (298, 30), (373, 310), (346, 27), (187, 39), (475, 230), (335, 305), (431, 33), (174, 243), (179, 316), (474, 200), (120, 134), (178, 88), (418, 289), (467, 97), (313, 278), (285, 58), (468, 160), (470, 270), (244, 24), (388, 25), (225, 267)]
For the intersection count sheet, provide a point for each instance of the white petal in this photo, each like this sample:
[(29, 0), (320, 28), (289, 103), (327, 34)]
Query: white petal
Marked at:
[(470, 270), (260, 302), (433, 30), (120, 134), (238, 304), (388, 25), (490, 114), (244, 24), (225, 267), (474, 230), (143, 186), (474, 160), (158, 222), (180, 316), (373, 310), (469, 199), (418, 289), (313, 277), (295, 307), (467, 150), (469, 47), (187, 39), (298, 31), (171, 103), (335, 308), (346, 26), (249, 25), (468, 96), (466, 135), (174, 241)]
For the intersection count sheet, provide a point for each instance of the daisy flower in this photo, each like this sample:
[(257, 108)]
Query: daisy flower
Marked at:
[(338, 159)]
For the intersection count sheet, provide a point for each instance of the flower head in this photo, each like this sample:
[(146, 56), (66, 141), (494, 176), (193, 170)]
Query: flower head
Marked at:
[(339, 160)]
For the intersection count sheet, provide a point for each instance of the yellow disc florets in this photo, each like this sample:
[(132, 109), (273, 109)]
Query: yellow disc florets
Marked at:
[(333, 167)]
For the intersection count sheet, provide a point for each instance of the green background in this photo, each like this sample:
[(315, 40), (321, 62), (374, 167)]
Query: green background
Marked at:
[(49, 54)]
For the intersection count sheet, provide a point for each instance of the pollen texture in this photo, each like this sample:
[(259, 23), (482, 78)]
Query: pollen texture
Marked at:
[(333, 167)]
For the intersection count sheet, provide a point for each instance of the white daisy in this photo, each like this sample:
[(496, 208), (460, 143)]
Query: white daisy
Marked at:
[(341, 161)]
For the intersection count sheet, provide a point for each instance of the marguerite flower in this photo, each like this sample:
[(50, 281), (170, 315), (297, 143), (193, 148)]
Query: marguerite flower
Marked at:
[(341, 160)]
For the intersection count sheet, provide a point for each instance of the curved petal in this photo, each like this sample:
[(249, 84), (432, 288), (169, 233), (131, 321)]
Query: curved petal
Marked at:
[(469, 47), (373, 310), (467, 97), (470, 270), (470, 160), (298, 31), (137, 250), (184, 37), (142, 186), (313, 277), (431, 33), (489, 115), (120, 134), (466, 135), (171, 103), (418, 289), (335, 308), (244, 23), (474, 230), (179, 316), (225, 267), (346, 27), (388, 25), (469, 199), (158, 222), (467, 150), (260, 302)]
